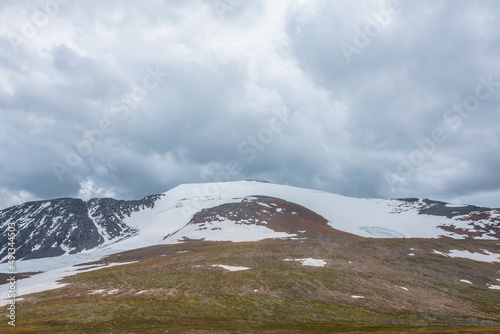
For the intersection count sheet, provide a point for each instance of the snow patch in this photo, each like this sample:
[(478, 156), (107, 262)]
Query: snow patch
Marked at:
[(226, 230), (357, 297), (312, 262), (439, 253), (465, 281), (230, 268), (309, 262), (485, 256), (264, 204)]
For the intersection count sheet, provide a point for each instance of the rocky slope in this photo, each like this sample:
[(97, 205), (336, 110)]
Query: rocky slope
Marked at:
[(276, 214), (68, 226)]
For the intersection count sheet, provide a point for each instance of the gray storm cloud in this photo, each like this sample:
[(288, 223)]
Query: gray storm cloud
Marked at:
[(368, 99)]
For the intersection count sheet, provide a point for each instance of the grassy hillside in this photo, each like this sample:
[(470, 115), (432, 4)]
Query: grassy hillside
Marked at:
[(177, 288)]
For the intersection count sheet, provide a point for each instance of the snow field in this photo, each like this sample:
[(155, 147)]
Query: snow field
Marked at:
[(226, 230), (48, 280)]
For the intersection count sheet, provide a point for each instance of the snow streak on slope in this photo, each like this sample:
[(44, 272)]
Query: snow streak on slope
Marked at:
[(48, 280), (485, 256)]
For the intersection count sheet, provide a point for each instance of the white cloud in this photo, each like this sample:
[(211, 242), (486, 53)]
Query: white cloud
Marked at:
[(10, 198), (89, 190)]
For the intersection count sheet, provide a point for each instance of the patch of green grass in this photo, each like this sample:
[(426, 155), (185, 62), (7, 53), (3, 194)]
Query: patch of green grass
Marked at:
[(231, 313)]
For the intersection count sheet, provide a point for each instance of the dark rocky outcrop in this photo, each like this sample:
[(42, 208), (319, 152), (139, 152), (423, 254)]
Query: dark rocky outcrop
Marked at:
[(67, 225)]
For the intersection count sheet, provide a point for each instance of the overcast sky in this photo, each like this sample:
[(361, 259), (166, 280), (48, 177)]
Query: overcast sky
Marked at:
[(361, 98)]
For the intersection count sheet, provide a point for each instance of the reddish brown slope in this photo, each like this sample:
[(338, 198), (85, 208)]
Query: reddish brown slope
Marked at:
[(274, 213)]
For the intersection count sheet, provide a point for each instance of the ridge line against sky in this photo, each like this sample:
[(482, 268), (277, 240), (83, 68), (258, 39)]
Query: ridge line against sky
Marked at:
[(367, 99)]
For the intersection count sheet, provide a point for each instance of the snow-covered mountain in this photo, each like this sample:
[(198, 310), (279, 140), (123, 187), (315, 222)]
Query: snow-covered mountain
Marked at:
[(232, 211), (68, 226)]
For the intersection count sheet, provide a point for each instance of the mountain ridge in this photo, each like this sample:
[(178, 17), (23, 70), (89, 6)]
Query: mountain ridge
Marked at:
[(68, 225)]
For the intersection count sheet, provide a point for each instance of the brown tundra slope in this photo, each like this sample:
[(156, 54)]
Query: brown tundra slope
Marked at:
[(319, 284)]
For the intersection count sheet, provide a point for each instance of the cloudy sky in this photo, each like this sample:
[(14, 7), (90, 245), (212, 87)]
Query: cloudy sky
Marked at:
[(362, 98)]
